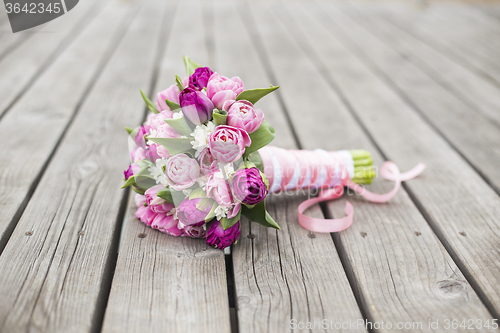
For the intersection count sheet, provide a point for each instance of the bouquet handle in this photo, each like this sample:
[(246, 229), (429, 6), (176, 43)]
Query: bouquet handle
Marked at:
[(329, 171)]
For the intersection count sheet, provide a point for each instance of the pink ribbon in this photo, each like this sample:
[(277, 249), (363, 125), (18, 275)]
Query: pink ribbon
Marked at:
[(388, 171)]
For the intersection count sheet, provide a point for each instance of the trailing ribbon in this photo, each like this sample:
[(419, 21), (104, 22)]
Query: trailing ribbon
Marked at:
[(329, 171)]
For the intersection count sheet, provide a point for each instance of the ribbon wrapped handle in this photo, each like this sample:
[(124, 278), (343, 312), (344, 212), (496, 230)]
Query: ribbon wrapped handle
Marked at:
[(388, 171)]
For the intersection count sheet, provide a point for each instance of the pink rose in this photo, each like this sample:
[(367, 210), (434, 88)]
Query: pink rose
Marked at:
[(171, 93), (221, 89), (227, 143), (167, 224), (208, 164), (242, 114), (182, 171), (155, 203), (219, 189)]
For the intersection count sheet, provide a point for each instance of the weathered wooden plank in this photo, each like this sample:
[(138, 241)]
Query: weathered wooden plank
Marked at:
[(58, 263), (394, 270), (445, 93), (45, 111), (471, 29), (445, 39), (472, 89), (9, 40), (164, 283), (279, 275), (21, 67), (462, 209)]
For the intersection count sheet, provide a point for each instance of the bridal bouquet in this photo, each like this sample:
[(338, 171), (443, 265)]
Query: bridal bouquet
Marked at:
[(201, 161)]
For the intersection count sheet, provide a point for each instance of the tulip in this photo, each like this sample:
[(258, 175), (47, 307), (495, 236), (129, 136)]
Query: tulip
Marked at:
[(189, 214), (182, 171), (219, 189), (167, 224), (249, 186), (227, 143), (221, 89), (208, 164), (242, 114), (200, 77), (220, 238), (196, 106), (155, 203)]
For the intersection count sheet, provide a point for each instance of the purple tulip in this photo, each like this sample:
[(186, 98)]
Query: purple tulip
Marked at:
[(220, 238), (248, 186), (188, 214), (132, 170), (199, 78), (196, 106)]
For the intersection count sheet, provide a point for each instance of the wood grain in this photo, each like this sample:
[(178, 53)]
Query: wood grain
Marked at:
[(164, 283), (449, 39), (283, 275), (60, 257), (394, 271), (460, 207), (46, 110), (21, 67), (447, 95)]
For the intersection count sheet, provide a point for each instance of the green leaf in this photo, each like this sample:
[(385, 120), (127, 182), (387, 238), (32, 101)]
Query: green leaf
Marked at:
[(246, 165), (257, 160), (254, 95), (190, 65), (138, 190), (130, 181), (178, 81), (143, 179), (149, 104), (211, 214), (129, 130), (259, 214), (204, 203), (145, 163), (165, 194), (174, 107), (180, 125), (220, 117), (228, 223), (197, 193), (260, 138), (175, 145)]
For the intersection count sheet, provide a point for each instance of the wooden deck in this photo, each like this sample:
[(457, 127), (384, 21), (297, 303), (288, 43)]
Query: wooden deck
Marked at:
[(408, 82)]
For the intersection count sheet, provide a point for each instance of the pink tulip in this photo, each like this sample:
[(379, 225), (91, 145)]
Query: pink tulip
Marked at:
[(167, 224), (145, 214), (182, 171), (227, 143), (194, 232), (221, 89), (219, 189), (155, 203), (208, 164), (171, 93), (242, 114)]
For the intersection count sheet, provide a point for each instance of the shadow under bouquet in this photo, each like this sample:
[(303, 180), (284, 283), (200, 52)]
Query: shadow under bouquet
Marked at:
[(201, 161)]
